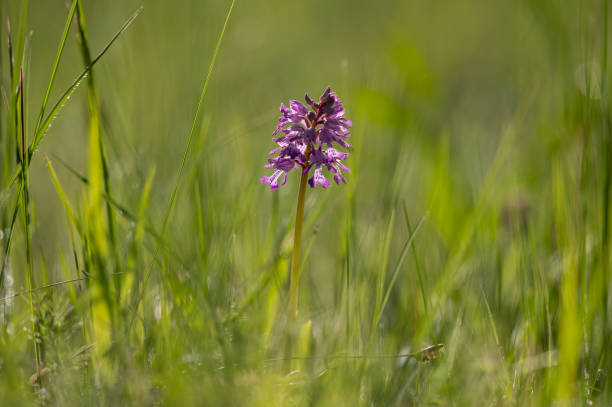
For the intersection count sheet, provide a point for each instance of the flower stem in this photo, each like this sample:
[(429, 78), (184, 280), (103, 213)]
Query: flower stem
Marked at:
[(297, 241)]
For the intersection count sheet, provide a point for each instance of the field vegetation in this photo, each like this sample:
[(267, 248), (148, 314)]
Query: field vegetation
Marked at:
[(466, 261)]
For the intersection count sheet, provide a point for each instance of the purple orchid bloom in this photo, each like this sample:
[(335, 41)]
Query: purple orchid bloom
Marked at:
[(309, 134)]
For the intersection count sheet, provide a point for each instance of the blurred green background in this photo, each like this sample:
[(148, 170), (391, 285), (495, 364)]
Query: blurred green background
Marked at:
[(487, 120)]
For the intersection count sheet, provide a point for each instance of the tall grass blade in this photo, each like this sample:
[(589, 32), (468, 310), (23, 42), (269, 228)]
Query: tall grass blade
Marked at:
[(382, 274), (25, 201), (60, 102), (607, 158), (194, 127), (416, 260), (94, 129), (55, 65), (398, 266)]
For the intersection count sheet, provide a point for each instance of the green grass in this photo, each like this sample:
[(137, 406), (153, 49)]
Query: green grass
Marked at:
[(465, 262)]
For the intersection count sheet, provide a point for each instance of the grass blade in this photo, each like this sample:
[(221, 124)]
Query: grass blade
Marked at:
[(194, 127), (416, 260), (94, 129), (58, 57), (47, 122), (25, 201), (380, 283), (398, 266)]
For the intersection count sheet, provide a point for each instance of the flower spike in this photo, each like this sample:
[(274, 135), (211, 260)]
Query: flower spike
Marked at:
[(310, 133)]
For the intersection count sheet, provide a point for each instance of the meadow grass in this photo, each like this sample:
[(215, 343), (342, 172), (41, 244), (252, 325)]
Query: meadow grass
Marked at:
[(465, 262)]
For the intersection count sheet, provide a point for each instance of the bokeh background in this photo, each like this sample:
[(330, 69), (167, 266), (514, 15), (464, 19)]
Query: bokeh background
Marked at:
[(488, 121)]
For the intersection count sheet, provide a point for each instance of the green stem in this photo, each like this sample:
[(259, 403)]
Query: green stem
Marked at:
[(297, 242), (26, 218), (608, 161)]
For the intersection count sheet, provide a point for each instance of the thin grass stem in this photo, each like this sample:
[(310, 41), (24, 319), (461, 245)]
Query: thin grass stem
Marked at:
[(26, 217), (58, 57), (416, 259), (195, 126)]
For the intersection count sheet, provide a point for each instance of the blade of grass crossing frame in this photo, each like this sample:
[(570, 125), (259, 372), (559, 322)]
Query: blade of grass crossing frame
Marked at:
[(39, 135), (490, 315), (416, 259), (380, 282), (194, 127), (607, 155), (60, 102), (58, 57), (397, 268), (25, 202)]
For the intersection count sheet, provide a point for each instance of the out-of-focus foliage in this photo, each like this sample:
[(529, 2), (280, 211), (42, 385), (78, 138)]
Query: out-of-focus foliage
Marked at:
[(488, 121)]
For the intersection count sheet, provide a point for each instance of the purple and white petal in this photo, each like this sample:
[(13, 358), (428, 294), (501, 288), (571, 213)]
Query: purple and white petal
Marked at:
[(318, 179)]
